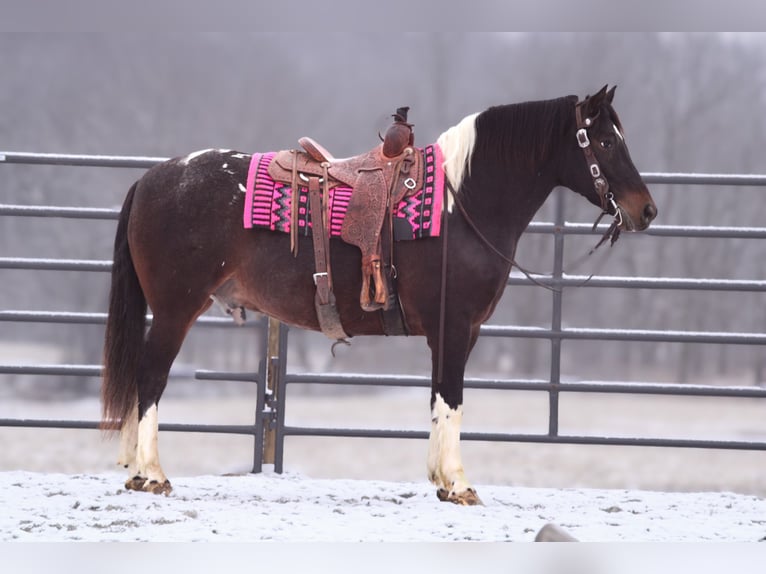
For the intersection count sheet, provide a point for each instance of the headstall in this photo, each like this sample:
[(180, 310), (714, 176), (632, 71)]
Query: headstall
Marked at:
[(600, 182)]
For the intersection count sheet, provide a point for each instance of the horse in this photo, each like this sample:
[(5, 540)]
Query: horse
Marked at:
[(180, 245)]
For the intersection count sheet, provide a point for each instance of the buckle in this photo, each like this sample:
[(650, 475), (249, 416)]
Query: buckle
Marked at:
[(609, 198), (410, 183), (317, 275), (594, 170), (305, 177), (582, 138)]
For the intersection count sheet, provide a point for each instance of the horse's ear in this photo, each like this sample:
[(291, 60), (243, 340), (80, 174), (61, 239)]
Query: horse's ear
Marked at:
[(593, 103), (610, 94)]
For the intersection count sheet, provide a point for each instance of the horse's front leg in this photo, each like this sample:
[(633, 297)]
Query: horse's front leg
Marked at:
[(445, 465)]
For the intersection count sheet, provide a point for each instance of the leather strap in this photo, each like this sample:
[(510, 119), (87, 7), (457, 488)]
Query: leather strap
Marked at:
[(599, 179), (321, 275), (443, 290), (324, 300), (294, 206)]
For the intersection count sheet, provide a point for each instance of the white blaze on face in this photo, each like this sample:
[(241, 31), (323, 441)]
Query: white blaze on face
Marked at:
[(445, 467), (147, 453)]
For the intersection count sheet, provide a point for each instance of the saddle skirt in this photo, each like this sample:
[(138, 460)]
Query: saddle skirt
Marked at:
[(268, 202)]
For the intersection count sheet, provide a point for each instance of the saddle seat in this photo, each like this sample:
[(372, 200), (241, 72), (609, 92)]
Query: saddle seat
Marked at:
[(316, 150)]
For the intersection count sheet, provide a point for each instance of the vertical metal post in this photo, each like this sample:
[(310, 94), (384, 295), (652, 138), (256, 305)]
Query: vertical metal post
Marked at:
[(260, 425), (282, 394), (271, 397), (558, 271)]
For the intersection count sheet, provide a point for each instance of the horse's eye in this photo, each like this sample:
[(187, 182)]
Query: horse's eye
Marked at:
[(606, 144)]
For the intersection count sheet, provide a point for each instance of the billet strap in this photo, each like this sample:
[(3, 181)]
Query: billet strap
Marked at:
[(324, 299)]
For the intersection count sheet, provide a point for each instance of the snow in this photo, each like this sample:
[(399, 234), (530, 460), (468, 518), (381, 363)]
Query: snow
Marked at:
[(60, 494), (295, 508)]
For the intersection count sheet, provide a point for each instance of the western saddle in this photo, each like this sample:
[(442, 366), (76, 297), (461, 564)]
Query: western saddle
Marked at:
[(380, 178)]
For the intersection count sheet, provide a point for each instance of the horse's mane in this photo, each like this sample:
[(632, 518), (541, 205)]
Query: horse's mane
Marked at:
[(522, 132), (457, 145)]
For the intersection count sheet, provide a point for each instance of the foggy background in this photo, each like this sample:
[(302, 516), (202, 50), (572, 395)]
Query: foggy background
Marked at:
[(688, 102)]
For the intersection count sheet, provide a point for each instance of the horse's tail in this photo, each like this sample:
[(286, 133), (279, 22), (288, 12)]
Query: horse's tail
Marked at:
[(125, 327)]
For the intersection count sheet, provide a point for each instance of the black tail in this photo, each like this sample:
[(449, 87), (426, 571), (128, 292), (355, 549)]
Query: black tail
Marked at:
[(125, 328)]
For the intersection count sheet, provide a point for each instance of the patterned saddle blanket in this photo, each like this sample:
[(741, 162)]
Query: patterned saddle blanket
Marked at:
[(268, 203)]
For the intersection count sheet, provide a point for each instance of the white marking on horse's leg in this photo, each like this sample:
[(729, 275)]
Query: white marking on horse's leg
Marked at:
[(445, 467), (193, 155), (129, 442), (147, 453)]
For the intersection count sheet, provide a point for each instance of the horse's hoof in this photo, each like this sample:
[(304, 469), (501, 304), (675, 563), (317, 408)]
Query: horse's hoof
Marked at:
[(156, 487), (135, 483), (143, 485), (465, 498)]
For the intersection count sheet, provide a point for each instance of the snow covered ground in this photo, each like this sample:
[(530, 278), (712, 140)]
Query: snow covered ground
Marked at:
[(296, 508), (61, 486)]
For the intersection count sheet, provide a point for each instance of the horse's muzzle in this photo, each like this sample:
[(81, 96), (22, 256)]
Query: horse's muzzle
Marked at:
[(648, 215), (640, 221)]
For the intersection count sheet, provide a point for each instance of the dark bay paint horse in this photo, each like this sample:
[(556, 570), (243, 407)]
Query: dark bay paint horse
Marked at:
[(181, 244)]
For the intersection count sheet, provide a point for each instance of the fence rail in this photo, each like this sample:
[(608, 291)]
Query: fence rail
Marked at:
[(269, 416)]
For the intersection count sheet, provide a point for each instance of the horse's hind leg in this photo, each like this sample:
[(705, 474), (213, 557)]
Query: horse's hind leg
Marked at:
[(163, 341), (129, 441)]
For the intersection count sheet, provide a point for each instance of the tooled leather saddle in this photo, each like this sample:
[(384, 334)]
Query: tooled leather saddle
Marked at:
[(380, 178)]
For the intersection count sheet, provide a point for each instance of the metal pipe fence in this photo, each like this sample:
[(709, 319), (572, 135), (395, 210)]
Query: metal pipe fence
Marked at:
[(269, 415)]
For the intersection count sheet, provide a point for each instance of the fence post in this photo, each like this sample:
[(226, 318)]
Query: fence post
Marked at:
[(558, 285), (272, 402), (260, 417)]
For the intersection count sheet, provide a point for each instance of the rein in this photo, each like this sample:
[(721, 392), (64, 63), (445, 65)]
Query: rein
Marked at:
[(510, 261)]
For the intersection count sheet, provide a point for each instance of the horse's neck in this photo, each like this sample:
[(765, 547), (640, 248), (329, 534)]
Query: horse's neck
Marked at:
[(502, 207)]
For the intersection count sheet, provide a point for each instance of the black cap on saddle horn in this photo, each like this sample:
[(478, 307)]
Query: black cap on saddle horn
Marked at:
[(399, 135)]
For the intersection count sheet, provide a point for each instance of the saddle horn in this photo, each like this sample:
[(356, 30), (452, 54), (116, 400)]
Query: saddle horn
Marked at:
[(399, 135)]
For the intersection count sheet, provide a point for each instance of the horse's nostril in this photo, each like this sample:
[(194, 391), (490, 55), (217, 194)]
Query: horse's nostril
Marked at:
[(650, 212)]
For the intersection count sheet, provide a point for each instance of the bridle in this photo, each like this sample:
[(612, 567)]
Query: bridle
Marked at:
[(600, 182)]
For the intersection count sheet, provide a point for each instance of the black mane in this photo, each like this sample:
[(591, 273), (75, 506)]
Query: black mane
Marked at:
[(526, 132)]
